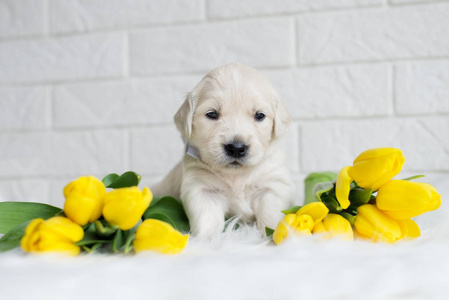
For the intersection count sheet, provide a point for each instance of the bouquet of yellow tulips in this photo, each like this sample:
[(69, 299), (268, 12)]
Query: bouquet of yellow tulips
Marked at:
[(94, 219), (363, 202)]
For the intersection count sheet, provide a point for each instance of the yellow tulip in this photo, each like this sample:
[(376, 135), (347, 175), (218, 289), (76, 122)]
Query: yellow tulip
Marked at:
[(371, 169), (371, 223), (125, 206), (84, 199), (374, 167), (155, 235), (300, 223), (57, 234), (401, 199), (334, 225)]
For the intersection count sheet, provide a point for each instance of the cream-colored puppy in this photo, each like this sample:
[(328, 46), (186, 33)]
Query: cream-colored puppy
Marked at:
[(232, 123)]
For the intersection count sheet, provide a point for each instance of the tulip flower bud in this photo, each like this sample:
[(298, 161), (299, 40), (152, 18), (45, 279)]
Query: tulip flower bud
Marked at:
[(371, 223), (57, 234), (400, 199), (374, 167), (84, 199), (334, 225), (125, 206), (159, 236), (300, 223)]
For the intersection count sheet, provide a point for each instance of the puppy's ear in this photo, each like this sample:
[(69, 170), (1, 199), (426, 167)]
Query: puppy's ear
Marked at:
[(184, 116), (282, 119)]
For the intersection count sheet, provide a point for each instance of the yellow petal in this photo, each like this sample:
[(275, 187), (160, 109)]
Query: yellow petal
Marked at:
[(66, 248), (84, 199), (125, 206), (155, 235), (343, 187), (409, 229), (29, 238), (321, 230), (79, 208), (374, 153), (338, 226), (303, 224), (281, 232), (402, 199), (316, 210), (374, 167), (372, 223), (63, 227)]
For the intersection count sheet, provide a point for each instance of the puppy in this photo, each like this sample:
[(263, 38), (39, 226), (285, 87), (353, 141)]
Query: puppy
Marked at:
[(232, 123)]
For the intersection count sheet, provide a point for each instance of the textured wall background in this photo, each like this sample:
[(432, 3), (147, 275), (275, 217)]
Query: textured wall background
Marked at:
[(90, 87)]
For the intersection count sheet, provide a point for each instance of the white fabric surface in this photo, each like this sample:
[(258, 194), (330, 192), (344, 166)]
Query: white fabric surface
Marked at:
[(241, 265)]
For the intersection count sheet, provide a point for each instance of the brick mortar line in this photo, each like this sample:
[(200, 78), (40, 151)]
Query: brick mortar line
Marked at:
[(126, 55), (167, 75), (393, 83), (46, 17), (300, 147), (205, 20)]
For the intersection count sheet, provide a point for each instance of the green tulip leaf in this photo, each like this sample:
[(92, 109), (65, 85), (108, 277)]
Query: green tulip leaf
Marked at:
[(162, 217), (312, 180), (93, 247), (331, 203), (91, 237), (86, 242), (130, 236), (13, 237), (119, 240), (127, 179), (104, 229), (269, 232), (110, 178), (359, 196), (156, 200), (414, 177), (129, 243), (12, 214), (169, 210), (291, 210)]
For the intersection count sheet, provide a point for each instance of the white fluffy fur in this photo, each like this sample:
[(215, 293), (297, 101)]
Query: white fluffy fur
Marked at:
[(213, 187)]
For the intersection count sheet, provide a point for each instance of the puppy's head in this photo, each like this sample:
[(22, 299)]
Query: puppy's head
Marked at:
[(232, 116)]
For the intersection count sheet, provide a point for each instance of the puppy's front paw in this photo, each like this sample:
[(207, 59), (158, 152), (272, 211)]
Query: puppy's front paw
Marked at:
[(268, 216), (206, 217), (206, 230)]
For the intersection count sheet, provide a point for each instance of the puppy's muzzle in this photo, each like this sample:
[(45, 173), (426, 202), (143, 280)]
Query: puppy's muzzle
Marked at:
[(236, 150)]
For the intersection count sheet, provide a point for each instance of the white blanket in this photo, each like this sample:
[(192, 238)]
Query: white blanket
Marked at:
[(241, 265)]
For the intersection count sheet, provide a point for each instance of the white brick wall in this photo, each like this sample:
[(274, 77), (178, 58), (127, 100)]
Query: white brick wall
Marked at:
[(21, 18), (90, 87)]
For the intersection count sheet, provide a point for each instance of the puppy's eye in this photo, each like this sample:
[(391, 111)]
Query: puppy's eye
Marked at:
[(259, 116), (213, 115)]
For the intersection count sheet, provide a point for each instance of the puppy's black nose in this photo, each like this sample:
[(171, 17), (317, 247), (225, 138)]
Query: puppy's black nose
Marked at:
[(236, 150)]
